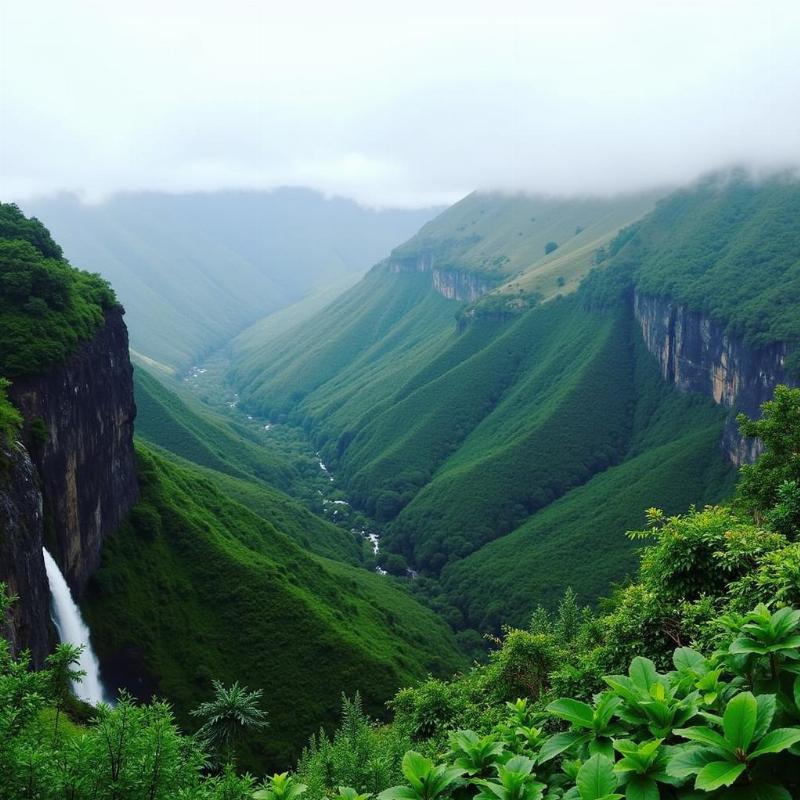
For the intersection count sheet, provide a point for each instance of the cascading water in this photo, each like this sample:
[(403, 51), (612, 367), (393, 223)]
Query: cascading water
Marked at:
[(72, 629)]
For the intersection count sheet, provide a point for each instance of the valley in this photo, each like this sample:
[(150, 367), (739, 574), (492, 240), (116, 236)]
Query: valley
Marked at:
[(397, 475), (400, 401)]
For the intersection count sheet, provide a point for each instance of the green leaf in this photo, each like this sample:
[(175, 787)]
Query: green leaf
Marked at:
[(688, 759), (687, 660), (573, 711), (596, 778), (416, 768), (521, 764), (739, 720), (717, 774), (602, 746), (642, 787), (606, 706), (767, 705), (643, 673), (744, 645), (557, 744), (707, 737), (777, 741), (398, 793)]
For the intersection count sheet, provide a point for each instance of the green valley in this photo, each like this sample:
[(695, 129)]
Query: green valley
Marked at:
[(244, 468), (521, 438), (194, 587)]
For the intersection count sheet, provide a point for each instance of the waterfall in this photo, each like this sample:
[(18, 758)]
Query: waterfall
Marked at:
[(72, 629)]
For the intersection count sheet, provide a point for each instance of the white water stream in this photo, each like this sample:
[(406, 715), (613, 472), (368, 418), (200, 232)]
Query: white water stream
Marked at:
[(72, 629)]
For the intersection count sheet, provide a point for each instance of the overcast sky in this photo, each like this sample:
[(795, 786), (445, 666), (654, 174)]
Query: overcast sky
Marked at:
[(402, 103)]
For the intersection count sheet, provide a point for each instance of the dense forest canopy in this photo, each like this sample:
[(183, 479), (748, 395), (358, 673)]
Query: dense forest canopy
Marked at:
[(46, 306), (728, 246)]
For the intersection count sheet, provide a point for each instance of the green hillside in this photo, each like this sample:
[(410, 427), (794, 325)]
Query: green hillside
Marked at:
[(456, 440), (193, 270), (360, 342), (510, 238), (672, 461), (194, 587), (728, 246), (244, 470), (567, 411), (277, 323), (186, 427)]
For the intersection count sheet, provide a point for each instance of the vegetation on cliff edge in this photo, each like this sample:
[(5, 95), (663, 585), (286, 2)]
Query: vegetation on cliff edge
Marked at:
[(46, 306)]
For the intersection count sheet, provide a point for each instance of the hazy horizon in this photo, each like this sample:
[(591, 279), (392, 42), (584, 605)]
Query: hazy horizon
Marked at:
[(411, 109)]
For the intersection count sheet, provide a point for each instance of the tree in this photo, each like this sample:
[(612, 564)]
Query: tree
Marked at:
[(569, 617), (770, 488), (228, 717), (550, 247), (63, 675)]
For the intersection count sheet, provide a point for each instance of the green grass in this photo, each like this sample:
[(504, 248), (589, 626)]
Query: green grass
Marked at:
[(673, 461), (193, 270), (244, 470), (194, 587), (46, 306), (503, 237), (184, 426)]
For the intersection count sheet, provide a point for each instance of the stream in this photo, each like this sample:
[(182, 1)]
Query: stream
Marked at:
[(207, 382)]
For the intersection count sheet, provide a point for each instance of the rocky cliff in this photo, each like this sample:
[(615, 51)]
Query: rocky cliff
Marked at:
[(83, 411), (450, 282), (696, 355), (21, 564)]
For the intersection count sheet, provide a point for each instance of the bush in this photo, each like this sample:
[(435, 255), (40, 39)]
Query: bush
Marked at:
[(46, 306), (10, 418)]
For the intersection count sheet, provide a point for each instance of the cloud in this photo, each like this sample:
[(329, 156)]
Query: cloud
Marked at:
[(411, 106)]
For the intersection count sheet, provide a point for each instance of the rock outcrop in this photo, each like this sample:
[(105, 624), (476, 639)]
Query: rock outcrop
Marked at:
[(450, 282), (21, 563), (84, 411), (696, 355)]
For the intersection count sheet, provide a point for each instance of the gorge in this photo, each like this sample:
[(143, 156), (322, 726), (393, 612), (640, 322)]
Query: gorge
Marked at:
[(496, 408)]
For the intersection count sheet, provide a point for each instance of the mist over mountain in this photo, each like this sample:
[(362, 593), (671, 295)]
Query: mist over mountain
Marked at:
[(400, 401), (192, 270)]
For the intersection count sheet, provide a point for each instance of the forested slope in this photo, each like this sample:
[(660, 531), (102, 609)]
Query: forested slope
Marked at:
[(194, 587), (245, 470), (501, 454)]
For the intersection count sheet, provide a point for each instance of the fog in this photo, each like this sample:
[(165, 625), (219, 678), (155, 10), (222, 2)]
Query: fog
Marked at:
[(408, 106)]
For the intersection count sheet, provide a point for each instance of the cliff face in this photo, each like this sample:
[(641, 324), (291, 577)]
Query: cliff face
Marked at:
[(86, 465), (454, 284), (21, 563), (696, 355)]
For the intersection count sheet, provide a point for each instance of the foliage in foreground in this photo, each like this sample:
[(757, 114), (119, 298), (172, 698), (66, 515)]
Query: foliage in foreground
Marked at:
[(708, 707), (128, 752)]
